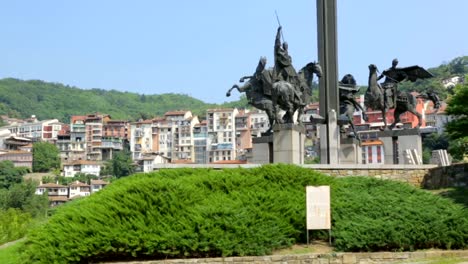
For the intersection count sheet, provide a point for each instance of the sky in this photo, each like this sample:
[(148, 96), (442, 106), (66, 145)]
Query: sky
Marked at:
[(201, 48)]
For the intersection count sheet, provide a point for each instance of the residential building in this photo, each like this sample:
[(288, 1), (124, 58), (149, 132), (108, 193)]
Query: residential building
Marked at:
[(115, 135), (182, 124), (71, 168), (57, 193), (243, 134), (141, 138), (97, 185), (259, 123), (94, 132), (77, 188), (200, 139), (221, 143), (20, 158), (36, 130)]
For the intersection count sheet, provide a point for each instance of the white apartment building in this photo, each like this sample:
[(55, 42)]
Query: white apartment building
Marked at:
[(81, 166), (182, 124), (259, 122), (221, 141), (141, 139), (34, 129)]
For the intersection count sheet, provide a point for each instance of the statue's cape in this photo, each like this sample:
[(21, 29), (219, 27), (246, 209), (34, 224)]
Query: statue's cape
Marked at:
[(414, 73)]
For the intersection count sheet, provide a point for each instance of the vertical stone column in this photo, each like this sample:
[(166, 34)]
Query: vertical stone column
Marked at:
[(328, 85), (288, 142)]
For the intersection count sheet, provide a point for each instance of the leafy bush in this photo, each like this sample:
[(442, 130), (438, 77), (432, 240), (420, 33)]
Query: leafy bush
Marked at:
[(13, 224), (236, 212)]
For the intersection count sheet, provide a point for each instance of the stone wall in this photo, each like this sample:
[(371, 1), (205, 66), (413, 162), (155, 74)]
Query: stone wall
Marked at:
[(411, 174), (455, 175), (424, 176), (331, 258)]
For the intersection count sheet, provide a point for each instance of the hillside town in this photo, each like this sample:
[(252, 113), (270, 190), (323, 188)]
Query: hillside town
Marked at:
[(221, 136)]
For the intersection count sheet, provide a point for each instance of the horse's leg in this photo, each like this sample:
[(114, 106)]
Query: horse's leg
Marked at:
[(384, 118), (270, 111), (396, 117), (300, 111)]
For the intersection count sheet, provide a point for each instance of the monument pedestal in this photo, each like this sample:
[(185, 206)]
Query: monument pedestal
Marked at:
[(262, 150), (350, 151), (402, 146), (288, 142)]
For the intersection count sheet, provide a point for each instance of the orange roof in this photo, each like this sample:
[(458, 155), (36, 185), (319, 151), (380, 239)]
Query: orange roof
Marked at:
[(76, 118), (372, 143)]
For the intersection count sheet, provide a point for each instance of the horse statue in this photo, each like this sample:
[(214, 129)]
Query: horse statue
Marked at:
[(348, 104), (264, 94), (292, 98), (374, 96), (405, 101), (255, 92)]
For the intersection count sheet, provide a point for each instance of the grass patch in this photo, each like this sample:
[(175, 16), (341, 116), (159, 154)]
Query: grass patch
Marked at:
[(456, 194), (11, 254)]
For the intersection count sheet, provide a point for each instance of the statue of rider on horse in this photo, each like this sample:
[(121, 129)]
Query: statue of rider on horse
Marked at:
[(280, 88)]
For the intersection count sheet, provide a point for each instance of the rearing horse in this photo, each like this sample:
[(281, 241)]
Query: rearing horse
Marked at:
[(374, 96)]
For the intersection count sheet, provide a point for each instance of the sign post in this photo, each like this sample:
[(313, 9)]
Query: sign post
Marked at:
[(318, 209)]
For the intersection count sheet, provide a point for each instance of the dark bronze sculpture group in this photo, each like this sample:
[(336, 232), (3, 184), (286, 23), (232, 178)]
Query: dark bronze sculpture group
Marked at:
[(282, 88)]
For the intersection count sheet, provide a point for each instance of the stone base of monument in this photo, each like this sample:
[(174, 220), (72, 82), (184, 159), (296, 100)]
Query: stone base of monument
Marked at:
[(288, 143), (350, 151), (262, 150), (402, 146)]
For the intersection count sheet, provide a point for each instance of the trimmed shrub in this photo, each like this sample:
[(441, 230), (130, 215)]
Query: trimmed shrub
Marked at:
[(182, 213)]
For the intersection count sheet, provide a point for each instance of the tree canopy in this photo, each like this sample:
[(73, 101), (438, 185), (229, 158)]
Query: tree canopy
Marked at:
[(45, 157), (52, 100), (458, 128)]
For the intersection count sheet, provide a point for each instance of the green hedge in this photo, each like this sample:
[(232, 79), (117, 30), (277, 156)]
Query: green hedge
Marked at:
[(205, 213)]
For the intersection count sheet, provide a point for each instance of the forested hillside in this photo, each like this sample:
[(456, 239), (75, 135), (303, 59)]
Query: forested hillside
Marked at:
[(22, 99)]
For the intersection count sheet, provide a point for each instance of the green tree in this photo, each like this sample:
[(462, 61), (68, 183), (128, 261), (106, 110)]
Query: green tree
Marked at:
[(458, 128), (120, 165), (45, 157), (9, 174)]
